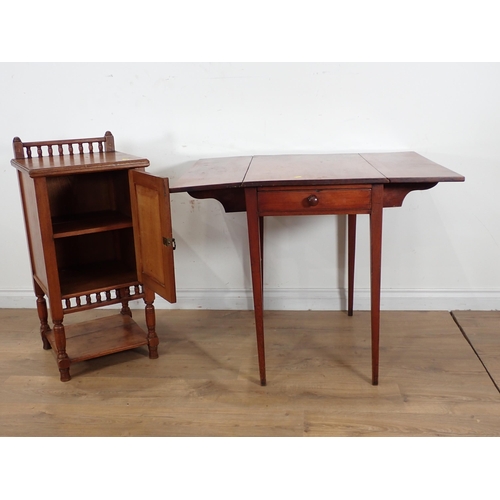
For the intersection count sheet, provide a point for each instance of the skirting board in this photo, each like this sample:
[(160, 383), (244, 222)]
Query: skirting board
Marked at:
[(307, 299)]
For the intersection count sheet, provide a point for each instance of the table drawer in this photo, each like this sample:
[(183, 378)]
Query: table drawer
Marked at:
[(314, 200)]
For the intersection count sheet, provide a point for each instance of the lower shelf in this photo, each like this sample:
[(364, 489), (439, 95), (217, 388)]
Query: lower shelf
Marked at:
[(91, 278), (100, 337)]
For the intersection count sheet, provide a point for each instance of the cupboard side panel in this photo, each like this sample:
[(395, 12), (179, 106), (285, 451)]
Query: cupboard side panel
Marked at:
[(33, 231)]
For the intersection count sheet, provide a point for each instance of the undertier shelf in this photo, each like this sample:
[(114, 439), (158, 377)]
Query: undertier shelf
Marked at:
[(100, 337)]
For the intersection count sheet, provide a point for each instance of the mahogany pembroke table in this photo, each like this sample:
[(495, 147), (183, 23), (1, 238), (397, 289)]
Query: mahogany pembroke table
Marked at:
[(315, 184)]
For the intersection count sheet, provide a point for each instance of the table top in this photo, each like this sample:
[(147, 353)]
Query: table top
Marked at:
[(312, 169), (77, 163)]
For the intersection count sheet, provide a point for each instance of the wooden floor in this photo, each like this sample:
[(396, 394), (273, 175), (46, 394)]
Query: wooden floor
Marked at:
[(439, 376)]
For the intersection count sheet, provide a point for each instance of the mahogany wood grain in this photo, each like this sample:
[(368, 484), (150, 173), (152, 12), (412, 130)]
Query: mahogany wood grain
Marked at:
[(213, 173), (314, 200), (43, 314), (101, 337), (94, 222), (152, 337), (410, 167), (311, 169), (24, 149), (255, 235), (375, 274), (33, 230), (154, 244), (395, 193), (279, 201), (305, 169), (85, 279), (351, 259), (233, 200), (86, 163)]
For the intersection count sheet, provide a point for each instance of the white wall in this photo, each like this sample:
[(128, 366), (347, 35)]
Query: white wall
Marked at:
[(441, 249)]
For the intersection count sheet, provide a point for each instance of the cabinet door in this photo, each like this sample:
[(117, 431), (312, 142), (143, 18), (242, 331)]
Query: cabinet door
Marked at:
[(154, 245)]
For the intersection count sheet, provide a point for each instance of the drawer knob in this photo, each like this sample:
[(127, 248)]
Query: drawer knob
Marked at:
[(312, 200)]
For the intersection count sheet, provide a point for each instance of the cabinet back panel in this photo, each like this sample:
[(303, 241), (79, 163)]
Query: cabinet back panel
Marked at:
[(94, 192), (96, 248)]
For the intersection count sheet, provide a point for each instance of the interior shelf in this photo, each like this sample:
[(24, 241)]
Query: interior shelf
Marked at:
[(91, 278), (93, 222)]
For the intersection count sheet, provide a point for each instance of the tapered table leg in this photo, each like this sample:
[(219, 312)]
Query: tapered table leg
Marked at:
[(261, 232), (351, 252), (375, 278), (255, 237)]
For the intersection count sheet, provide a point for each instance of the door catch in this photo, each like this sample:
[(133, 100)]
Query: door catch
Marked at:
[(169, 242)]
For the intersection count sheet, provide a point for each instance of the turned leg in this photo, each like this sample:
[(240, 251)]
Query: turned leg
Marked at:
[(153, 341), (255, 237), (63, 361), (41, 306), (124, 294), (351, 252)]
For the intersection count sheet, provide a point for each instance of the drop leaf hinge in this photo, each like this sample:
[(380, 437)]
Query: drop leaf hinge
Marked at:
[(169, 242)]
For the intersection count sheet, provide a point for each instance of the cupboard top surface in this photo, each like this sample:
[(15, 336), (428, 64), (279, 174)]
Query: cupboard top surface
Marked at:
[(78, 163)]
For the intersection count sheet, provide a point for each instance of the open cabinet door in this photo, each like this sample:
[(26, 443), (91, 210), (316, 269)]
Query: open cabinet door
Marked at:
[(154, 245)]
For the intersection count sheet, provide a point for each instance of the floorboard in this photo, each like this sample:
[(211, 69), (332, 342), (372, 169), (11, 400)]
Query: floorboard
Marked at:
[(205, 382)]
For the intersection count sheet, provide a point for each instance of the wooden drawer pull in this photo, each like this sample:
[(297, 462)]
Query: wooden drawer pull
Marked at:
[(312, 200)]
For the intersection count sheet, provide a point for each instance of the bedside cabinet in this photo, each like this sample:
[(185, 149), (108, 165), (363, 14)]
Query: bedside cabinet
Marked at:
[(99, 233)]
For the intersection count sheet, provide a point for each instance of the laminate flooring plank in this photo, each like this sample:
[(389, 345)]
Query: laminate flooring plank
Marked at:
[(205, 381), (18, 320), (320, 424)]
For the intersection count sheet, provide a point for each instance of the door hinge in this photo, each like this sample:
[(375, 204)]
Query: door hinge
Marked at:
[(169, 242)]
